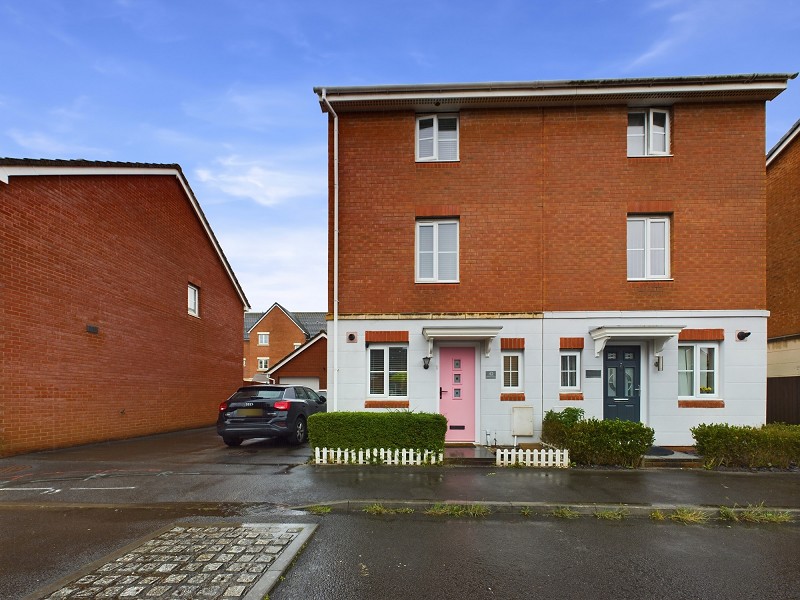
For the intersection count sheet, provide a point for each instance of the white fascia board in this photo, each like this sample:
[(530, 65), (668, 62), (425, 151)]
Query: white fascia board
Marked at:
[(658, 333), (576, 91), (655, 314), (35, 171)]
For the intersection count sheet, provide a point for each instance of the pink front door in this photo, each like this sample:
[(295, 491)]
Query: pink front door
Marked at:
[(457, 392)]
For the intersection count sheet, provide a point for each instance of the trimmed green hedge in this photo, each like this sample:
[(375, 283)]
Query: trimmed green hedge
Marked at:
[(774, 445), (596, 442), (391, 430)]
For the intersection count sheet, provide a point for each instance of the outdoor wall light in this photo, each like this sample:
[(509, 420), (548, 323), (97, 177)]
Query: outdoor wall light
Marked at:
[(742, 335), (426, 362)]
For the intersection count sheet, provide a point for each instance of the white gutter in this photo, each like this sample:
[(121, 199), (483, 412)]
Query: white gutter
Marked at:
[(335, 251)]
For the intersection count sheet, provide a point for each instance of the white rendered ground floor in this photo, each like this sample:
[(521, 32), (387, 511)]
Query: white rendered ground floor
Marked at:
[(495, 376)]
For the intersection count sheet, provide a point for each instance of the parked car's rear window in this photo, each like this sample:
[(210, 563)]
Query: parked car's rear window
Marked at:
[(256, 393)]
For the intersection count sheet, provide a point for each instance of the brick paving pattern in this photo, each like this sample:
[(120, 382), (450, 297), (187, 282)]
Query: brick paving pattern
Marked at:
[(188, 562)]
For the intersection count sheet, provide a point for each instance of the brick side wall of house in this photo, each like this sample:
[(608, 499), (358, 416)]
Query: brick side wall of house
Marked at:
[(283, 335), (310, 363), (783, 242), (115, 253), (542, 197)]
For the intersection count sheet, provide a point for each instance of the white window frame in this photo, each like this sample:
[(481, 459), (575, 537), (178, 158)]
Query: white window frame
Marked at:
[(435, 156), (561, 371), (258, 338), (648, 264), (263, 363), (385, 348), (297, 345), (697, 371), (436, 253), (650, 133), (193, 305), (520, 371)]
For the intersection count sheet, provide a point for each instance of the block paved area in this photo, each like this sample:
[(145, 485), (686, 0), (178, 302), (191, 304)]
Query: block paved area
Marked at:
[(226, 561)]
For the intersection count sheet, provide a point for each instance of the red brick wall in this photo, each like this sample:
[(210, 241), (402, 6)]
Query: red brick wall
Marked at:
[(783, 242), (542, 196), (312, 362), (116, 253), (283, 335)]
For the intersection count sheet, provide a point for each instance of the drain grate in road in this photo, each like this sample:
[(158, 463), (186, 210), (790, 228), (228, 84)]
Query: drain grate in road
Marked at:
[(193, 561)]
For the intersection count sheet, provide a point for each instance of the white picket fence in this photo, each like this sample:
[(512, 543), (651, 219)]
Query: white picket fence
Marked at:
[(339, 456), (549, 457)]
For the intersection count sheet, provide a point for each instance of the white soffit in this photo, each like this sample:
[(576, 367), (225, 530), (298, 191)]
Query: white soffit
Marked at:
[(484, 334), (657, 333)]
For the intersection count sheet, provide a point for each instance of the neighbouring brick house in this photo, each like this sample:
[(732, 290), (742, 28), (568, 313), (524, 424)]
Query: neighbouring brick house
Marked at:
[(119, 313), (783, 278), (307, 365), (499, 250), (272, 335)]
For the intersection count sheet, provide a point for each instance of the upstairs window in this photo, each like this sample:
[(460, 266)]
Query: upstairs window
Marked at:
[(437, 252), (263, 363), (648, 248), (263, 338), (194, 300), (437, 138), (648, 132)]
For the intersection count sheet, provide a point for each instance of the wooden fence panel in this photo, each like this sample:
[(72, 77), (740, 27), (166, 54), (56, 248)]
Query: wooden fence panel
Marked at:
[(783, 400)]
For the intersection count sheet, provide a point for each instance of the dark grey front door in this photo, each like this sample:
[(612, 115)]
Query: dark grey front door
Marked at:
[(621, 368)]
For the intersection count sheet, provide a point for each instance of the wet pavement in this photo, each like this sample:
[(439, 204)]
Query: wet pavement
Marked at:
[(66, 509)]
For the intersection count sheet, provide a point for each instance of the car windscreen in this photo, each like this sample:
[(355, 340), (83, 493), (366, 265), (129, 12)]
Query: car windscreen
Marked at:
[(257, 394)]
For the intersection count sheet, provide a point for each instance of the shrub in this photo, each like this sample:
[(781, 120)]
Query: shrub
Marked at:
[(774, 445), (595, 442), (609, 442), (556, 425), (390, 430)]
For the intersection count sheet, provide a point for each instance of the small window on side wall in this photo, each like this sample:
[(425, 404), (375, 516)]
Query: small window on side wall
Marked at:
[(648, 132), (263, 363), (194, 300)]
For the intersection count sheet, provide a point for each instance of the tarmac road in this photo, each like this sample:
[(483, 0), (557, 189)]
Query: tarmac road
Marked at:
[(62, 509)]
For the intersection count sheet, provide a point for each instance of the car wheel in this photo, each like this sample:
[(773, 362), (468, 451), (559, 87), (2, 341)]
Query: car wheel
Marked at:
[(232, 441), (300, 431)]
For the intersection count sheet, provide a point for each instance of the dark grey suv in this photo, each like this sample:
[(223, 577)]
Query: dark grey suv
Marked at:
[(260, 411)]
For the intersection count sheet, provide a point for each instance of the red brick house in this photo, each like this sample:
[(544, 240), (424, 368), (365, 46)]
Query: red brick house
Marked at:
[(120, 313), (272, 335), (783, 278), (498, 250), (307, 365)]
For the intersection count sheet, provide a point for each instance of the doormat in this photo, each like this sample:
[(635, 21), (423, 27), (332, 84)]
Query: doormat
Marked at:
[(658, 451)]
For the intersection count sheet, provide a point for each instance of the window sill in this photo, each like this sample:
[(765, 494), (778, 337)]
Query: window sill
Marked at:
[(425, 282), (512, 397), (570, 396), (193, 315), (427, 161), (385, 403), (653, 279), (650, 155), (696, 403)]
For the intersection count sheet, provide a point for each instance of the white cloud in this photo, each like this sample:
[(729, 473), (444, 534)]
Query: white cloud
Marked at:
[(42, 145), (264, 182), (280, 265)]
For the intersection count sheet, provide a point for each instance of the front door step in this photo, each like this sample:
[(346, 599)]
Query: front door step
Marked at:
[(472, 456)]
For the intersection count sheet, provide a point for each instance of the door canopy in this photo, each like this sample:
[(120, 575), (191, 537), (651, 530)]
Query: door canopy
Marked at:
[(461, 334), (659, 334)]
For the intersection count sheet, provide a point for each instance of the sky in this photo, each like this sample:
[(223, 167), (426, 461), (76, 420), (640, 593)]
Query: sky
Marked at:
[(224, 88)]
